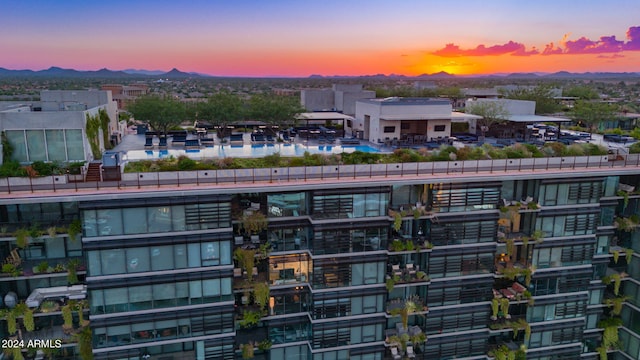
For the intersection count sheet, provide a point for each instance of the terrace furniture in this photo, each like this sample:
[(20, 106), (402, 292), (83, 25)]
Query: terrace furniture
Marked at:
[(163, 143), (395, 268), (347, 141), (179, 139), (411, 269), (395, 354), (286, 137), (270, 138), (148, 142), (410, 353), (192, 144), (74, 292), (236, 138), (207, 141)]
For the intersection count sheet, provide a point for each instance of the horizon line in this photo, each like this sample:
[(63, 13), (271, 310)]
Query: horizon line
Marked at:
[(132, 71)]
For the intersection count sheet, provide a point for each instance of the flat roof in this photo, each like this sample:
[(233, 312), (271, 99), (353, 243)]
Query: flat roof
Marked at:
[(406, 101), (453, 116), (536, 119), (322, 115)]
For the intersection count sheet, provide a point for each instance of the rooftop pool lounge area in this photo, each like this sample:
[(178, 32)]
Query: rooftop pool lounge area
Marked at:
[(248, 151)]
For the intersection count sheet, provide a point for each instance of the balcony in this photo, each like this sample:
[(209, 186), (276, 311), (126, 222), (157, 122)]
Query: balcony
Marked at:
[(405, 274)]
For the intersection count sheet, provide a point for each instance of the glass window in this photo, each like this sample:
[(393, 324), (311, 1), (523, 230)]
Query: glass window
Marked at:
[(55, 145), (140, 297), (180, 252), (17, 139), (135, 220), (210, 253), (162, 258), (108, 222), (177, 218), (35, 145), (113, 261), (159, 218), (137, 260), (75, 147)]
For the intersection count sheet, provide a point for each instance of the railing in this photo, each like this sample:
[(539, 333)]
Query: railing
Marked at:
[(315, 173)]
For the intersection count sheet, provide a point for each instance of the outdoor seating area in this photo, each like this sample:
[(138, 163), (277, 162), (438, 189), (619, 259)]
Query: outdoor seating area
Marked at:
[(349, 141), (74, 292)]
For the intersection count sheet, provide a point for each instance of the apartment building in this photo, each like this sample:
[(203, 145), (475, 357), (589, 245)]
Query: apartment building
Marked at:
[(464, 265)]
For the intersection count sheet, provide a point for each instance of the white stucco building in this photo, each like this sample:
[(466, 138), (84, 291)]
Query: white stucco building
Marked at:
[(55, 128), (393, 118)]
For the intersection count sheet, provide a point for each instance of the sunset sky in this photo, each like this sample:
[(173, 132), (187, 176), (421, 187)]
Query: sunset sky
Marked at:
[(330, 37)]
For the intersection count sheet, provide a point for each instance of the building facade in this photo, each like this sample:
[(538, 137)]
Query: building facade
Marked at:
[(427, 267), (54, 129)]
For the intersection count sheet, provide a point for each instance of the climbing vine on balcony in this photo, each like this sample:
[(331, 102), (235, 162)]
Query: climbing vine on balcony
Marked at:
[(104, 125), (93, 127)]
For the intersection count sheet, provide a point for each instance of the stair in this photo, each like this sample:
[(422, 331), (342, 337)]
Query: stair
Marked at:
[(94, 172)]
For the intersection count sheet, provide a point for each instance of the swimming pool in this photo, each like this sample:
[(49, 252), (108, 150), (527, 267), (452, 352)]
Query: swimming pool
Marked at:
[(248, 151)]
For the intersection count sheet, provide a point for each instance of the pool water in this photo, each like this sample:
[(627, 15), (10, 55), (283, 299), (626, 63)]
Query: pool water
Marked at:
[(248, 151)]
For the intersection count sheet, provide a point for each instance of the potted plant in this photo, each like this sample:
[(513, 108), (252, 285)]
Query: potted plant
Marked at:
[(504, 308), (495, 308), (247, 351), (52, 231), (28, 320), (254, 223), (43, 267), (72, 271), (246, 258), (261, 295), (22, 238), (75, 228)]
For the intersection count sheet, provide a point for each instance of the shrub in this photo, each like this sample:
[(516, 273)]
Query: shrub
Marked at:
[(12, 168), (186, 163)]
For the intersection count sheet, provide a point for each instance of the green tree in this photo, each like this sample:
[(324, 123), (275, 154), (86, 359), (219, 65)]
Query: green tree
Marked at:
[(221, 110), (492, 112), (542, 95), (274, 110), (161, 113), (581, 92), (591, 114)]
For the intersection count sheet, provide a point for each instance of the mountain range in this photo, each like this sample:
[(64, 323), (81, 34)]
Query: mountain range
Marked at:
[(177, 74), (102, 73)]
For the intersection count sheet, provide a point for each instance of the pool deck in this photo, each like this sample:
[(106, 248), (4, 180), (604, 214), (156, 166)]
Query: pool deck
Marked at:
[(133, 142)]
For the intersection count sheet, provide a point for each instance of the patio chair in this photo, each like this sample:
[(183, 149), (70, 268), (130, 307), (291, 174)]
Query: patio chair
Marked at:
[(163, 143), (395, 354), (411, 269), (395, 268), (410, 353), (148, 142)]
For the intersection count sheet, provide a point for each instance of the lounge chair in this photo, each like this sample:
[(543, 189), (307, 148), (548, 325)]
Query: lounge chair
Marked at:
[(192, 144), (207, 141)]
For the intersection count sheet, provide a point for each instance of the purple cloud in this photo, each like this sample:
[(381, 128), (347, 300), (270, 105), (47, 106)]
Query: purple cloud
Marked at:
[(633, 35), (606, 44), (513, 48), (583, 45)]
